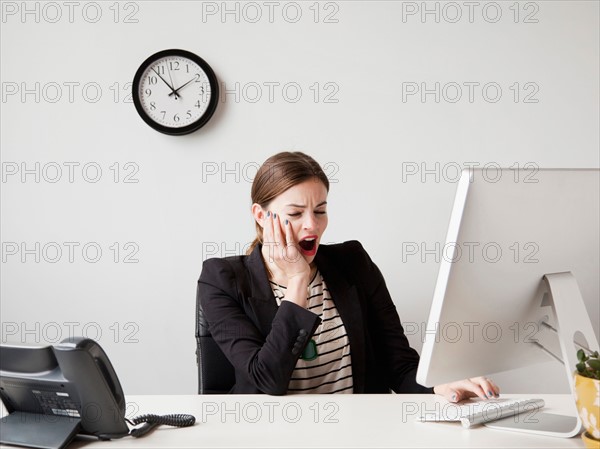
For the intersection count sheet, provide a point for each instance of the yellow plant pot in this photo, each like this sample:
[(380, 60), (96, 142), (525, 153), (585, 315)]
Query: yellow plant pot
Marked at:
[(587, 393), (590, 443)]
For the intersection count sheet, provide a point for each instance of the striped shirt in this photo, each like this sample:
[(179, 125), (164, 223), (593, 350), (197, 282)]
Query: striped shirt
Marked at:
[(331, 371)]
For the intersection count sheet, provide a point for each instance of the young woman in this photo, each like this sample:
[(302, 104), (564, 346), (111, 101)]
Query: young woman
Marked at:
[(295, 316)]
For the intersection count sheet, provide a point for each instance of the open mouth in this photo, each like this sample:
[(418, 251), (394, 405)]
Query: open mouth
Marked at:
[(308, 244)]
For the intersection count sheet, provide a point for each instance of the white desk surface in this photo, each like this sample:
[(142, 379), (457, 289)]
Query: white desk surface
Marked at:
[(326, 421)]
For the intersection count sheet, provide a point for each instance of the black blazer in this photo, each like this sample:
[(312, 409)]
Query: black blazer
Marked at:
[(263, 341)]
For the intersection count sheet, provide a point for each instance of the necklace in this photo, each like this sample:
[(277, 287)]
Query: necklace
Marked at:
[(310, 352)]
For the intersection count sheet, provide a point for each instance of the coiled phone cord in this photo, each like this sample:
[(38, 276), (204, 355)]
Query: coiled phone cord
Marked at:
[(151, 421)]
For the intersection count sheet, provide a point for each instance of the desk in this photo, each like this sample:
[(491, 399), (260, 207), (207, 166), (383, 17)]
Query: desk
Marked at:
[(332, 421), (345, 421)]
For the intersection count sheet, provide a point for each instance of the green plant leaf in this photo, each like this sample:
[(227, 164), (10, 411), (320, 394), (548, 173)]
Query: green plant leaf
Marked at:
[(580, 355), (594, 364), (580, 367)]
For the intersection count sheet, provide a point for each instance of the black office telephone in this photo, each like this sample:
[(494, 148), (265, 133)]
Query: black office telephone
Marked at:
[(54, 392)]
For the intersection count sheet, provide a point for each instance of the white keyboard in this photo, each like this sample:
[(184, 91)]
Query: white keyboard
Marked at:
[(478, 412)]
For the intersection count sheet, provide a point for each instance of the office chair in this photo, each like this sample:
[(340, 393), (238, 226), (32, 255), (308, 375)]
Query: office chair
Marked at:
[(216, 374)]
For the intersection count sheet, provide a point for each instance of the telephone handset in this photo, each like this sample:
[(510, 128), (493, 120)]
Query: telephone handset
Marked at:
[(84, 363)]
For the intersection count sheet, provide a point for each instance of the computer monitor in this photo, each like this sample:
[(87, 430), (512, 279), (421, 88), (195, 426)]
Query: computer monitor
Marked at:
[(519, 266)]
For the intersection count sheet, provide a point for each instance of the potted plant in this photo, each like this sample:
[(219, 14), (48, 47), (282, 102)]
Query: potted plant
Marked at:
[(587, 391)]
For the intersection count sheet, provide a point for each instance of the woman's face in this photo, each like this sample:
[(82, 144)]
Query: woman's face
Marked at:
[(305, 206)]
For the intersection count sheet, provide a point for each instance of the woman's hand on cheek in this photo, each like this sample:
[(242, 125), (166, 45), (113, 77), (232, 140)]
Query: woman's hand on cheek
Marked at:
[(463, 389), (280, 249)]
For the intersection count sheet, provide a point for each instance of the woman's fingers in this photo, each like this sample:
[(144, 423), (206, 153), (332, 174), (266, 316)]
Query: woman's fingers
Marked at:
[(473, 389), (463, 389), (277, 241), (278, 234), (292, 252), (289, 238), (447, 391), (489, 388), (268, 240), (267, 226), (285, 240), (459, 391)]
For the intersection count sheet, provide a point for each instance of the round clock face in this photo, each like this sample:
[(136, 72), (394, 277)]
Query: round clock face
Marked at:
[(175, 92)]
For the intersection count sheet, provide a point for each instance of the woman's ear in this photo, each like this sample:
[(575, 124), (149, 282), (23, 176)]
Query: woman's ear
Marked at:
[(258, 213)]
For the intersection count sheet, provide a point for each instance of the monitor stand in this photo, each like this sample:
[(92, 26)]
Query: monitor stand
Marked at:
[(38, 430), (561, 292)]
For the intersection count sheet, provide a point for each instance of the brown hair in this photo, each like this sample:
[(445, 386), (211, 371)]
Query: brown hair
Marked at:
[(279, 173)]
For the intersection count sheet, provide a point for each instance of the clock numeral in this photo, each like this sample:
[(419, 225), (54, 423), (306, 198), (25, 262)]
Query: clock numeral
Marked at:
[(198, 80), (189, 114), (164, 113), (176, 118), (174, 65), (187, 68), (152, 80), (148, 92), (198, 104), (160, 69), (152, 105)]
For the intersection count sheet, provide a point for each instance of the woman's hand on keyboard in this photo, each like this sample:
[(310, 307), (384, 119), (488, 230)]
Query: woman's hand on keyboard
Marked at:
[(468, 388)]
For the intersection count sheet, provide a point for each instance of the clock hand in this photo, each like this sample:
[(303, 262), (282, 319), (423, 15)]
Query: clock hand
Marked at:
[(172, 91), (172, 83), (180, 87)]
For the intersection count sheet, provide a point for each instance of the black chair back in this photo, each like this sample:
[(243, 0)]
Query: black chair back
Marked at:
[(216, 374)]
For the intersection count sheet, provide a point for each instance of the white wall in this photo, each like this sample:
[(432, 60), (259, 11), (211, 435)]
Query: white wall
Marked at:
[(174, 217)]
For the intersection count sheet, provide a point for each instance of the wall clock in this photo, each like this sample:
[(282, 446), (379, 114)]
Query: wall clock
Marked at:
[(175, 92)]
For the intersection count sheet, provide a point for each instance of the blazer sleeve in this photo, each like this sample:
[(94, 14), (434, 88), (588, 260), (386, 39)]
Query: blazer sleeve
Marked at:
[(267, 362), (391, 347)]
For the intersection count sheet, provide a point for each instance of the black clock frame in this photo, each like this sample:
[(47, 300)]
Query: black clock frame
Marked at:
[(214, 89)]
